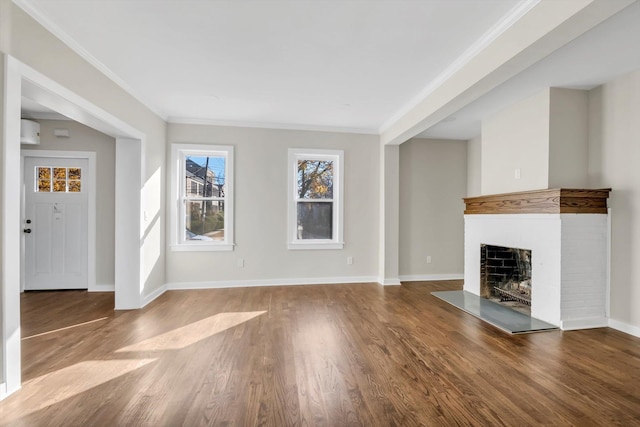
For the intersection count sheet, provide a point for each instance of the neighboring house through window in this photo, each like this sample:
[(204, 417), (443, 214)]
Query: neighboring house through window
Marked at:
[(315, 199), (202, 193)]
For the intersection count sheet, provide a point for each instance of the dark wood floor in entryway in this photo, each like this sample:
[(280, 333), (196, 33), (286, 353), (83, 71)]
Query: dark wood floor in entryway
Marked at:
[(330, 355)]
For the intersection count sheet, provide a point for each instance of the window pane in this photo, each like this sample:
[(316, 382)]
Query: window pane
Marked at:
[(44, 179), (44, 186), (60, 180), (44, 173), (60, 173), (315, 220), (201, 169), (60, 186), (315, 179), (204, 220), (75, 173), (74, 186)]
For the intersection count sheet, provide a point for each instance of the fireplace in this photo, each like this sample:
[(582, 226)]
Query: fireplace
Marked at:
[(505, 276), (565, 232)]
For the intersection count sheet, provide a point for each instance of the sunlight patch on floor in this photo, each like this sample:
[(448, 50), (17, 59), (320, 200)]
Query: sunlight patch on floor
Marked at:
[(194, 332), (57, 386), (65, 328)]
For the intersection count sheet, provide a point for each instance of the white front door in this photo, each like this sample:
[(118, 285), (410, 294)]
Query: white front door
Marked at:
[(56, 223)]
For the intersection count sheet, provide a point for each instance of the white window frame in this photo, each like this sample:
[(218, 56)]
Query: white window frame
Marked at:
[(177, 223), (337, 240)]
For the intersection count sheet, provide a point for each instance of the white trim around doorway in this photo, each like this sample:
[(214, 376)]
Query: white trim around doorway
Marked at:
[(19, 80)]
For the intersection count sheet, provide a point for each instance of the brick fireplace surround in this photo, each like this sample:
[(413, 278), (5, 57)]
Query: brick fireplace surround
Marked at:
[(567, 231)]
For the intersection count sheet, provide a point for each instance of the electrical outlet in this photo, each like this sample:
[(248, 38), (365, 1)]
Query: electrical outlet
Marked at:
[(240, 262), (428, 259), (349, 260), (516, 173)]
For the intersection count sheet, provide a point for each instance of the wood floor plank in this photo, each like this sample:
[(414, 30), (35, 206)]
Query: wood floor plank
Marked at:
[(325, 355)]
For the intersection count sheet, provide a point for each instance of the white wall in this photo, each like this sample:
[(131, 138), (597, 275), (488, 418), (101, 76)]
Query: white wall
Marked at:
[(614, 156), (28, 49), (389, 219), (474, 166), (568, 136), (609, 158), (83, 138), (261, 211), (10, 225), (31, 44), (433, 181), (3, 333), (545, 137), (517, 138)]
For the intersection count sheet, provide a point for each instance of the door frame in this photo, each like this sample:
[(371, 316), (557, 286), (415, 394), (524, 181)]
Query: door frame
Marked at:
[(91, 213), (20, 79)]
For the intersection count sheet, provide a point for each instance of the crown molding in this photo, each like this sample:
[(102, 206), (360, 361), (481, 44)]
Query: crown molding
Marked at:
[(478, 46), (33, 11), (268, 125)]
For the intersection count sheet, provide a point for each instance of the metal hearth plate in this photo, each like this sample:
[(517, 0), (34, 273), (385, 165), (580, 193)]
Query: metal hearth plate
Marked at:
[(491, 312)]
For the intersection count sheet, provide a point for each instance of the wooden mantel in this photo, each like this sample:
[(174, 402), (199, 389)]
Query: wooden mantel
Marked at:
[(556, 200)]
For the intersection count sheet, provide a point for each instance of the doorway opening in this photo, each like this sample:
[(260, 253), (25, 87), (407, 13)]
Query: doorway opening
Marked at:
[(21, 80)]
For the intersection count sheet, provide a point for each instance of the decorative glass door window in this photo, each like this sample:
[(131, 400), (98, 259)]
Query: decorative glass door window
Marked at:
[(58, 179)]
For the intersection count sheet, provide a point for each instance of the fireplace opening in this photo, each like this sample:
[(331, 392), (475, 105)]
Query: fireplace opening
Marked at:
[(505, 276)]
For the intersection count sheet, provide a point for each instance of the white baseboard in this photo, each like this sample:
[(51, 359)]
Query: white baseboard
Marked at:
[(624, 327), (153, 295), (389, 282), (587, 323), (102, 287), (4, 392), (269, 282), (431, 277)]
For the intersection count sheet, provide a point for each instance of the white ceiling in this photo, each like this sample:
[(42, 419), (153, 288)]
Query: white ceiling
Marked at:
[(609, 50), (329, 65)]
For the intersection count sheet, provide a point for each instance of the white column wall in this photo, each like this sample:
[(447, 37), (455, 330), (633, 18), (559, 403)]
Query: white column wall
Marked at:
[(128, 268), (388, 264), (10, 230), (584, 271)]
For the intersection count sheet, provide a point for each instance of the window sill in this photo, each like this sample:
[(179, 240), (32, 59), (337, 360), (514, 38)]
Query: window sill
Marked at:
[(315, 246), (202, 247)]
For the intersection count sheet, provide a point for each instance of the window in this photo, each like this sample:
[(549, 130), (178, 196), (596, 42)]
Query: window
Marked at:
[(202, 193), (315, 199), (58, 179)]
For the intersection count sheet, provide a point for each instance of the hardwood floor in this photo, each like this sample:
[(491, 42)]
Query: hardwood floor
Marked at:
[(328, 355)]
